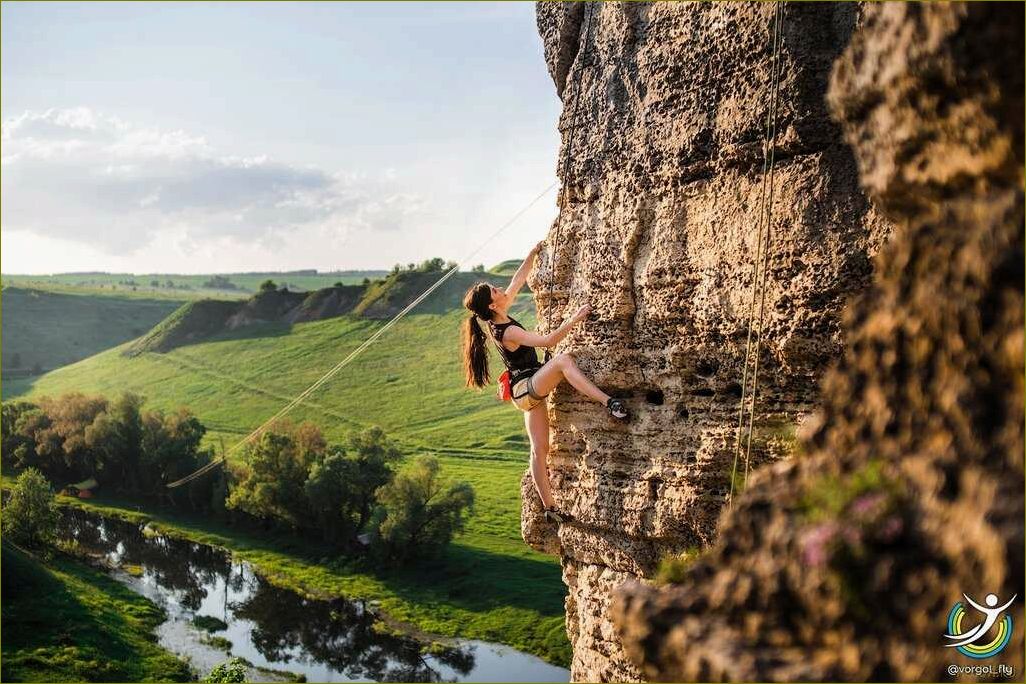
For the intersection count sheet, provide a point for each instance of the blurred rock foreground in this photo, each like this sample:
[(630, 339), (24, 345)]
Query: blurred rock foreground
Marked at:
[(892, 346)]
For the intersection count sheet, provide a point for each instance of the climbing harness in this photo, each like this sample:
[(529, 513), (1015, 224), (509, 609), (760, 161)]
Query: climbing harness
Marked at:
[(359, 350), (760, 265), (588, 21)]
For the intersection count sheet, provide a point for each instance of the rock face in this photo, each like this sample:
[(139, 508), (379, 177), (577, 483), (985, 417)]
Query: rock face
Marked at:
[(665, 112), (843, 565)]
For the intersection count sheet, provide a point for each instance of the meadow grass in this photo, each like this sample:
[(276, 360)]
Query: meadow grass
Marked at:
[(64, 621), (488, 584)]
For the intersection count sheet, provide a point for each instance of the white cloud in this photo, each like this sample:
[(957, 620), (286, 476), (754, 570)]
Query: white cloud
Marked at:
[(80, 176)]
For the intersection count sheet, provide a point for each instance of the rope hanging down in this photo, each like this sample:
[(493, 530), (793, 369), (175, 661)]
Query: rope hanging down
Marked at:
[(566, 159), (359, 350), (760, 265)]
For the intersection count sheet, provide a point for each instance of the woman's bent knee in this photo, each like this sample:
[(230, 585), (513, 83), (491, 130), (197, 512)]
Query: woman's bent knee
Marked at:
[(565, 359)]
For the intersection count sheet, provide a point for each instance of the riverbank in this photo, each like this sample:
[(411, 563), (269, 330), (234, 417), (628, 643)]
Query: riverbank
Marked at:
[(456, 595), (65, 621)]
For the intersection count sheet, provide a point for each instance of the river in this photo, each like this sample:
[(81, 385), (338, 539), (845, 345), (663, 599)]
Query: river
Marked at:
[(279, 632)]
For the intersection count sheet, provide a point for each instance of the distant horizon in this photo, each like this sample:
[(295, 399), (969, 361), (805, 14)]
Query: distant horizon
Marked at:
[(291, 271)]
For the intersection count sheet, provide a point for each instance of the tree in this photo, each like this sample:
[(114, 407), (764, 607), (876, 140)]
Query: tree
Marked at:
[(329, 490), (11, 413), (274, 473), (169, 449), (115, 437), (375, 455), (431, 265), (60, 435), (30, 515), (479, 268), (268, 286), (341, 485), (422, 512)]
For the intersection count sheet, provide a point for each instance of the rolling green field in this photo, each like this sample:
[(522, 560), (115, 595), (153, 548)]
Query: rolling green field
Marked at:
[(489, 585), (64, 621), (53, 329)]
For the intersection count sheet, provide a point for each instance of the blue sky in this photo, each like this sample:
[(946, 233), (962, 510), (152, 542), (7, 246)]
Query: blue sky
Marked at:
[(215, 137)]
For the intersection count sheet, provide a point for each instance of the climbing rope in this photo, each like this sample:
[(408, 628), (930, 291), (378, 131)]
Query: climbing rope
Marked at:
[(588, 21), (359, 350), (760, 265)]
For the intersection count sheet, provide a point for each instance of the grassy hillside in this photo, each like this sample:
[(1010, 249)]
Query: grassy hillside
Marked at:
[(205, 319), (410, 384), (53, 329), (64, 621), (507, 267)]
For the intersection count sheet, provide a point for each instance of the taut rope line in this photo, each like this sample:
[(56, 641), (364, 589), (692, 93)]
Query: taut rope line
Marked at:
[(759, 278), (359, 350), (769, 238)]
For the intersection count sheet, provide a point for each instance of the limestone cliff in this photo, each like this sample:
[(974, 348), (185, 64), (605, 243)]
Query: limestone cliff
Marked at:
[(665, 107), (843, 565)]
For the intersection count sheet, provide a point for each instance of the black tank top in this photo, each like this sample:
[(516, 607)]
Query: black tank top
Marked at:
[(521, 362)]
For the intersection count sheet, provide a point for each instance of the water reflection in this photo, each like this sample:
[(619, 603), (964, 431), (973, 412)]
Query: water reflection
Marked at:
[(276, 628)]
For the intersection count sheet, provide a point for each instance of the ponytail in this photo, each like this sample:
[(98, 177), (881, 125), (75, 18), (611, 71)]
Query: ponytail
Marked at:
[(475, 353)]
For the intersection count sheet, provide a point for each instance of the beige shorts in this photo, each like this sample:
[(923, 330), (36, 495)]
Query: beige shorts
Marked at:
[(524, 397)]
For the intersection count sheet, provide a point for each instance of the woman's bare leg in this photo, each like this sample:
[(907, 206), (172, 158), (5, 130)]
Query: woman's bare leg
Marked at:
[(561, 366), (537, 422)]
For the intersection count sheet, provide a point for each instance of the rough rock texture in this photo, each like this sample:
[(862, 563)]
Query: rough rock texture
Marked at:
[(842, 565), (667, 104)]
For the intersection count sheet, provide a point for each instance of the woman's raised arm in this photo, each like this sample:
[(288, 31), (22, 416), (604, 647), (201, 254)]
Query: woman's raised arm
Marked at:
[(533, 339), (520, 277)]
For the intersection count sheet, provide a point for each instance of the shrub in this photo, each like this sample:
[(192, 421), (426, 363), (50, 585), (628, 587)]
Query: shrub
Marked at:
[(422, 512), (233, 670), (30, 516), (268, 286), (341, 485), (274, 473)]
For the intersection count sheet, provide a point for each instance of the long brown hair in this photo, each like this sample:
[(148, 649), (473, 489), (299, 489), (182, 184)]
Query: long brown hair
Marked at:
[(475, 348)]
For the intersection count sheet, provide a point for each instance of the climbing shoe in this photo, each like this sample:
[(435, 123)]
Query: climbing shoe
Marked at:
[(554, 515), (617, 409)]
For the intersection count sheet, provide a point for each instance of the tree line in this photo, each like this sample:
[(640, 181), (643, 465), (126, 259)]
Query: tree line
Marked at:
[(351, 495)]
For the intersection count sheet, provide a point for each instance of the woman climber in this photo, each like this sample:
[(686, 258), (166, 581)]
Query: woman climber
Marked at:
[(530, 381)]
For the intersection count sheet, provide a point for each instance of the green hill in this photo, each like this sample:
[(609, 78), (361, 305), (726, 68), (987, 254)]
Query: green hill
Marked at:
[(507, 267), (410, 384), (51, 329), (273, 311)]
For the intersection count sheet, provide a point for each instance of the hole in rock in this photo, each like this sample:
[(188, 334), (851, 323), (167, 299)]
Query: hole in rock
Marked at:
[(703, 392), (654, 397), (733, 389), (682, 412), (706, 368)]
